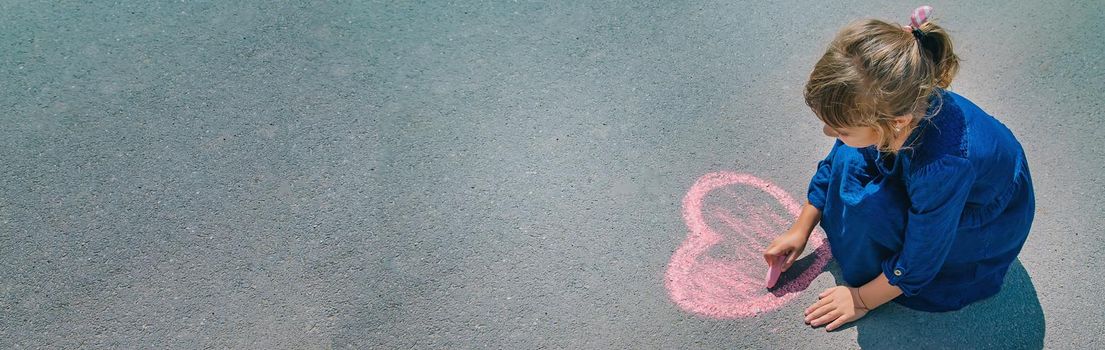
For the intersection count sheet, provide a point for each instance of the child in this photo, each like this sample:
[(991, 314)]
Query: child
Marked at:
[(926, 199)]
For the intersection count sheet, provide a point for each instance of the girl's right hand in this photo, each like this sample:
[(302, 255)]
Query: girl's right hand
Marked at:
[(790, 243)]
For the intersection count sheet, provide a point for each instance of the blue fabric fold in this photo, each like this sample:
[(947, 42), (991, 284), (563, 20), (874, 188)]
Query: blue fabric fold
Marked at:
[(937, 196)]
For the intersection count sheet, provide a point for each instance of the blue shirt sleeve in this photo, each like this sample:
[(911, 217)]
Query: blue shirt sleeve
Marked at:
[(819, 185), (937, 195)]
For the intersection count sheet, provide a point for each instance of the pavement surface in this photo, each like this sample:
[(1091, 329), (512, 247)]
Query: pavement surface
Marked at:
[(500, 174)]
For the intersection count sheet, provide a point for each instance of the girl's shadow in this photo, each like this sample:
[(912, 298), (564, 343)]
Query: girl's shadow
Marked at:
[(1011, 319)]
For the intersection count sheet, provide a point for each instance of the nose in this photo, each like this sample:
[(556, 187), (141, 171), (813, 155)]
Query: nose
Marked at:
[(829, 131)]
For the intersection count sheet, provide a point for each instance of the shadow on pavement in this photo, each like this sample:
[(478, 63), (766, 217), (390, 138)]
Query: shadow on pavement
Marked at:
[(791, 278), (1011, 319)]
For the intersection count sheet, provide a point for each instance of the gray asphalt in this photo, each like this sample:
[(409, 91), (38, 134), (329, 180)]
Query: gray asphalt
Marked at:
[(358, 174)]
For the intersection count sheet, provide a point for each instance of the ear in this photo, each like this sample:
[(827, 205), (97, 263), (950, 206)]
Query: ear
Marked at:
[(902, 120)]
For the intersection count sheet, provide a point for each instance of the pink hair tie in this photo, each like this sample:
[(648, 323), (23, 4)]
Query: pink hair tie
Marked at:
[(919, 16)]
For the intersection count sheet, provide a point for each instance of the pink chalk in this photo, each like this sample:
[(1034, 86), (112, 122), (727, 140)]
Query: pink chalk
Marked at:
[(774, 269)]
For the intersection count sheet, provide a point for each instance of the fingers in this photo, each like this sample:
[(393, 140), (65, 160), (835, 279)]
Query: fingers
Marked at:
[(830, 316), (790, 260), (840, 321), (770, 253), (815, 306), (821, 311), (773, 253), (830, 309)]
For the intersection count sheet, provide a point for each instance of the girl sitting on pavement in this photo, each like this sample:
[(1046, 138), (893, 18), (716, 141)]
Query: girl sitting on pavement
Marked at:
[(925, 198)]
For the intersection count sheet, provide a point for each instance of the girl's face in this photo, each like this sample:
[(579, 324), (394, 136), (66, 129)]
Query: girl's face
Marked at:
[(856, 137)]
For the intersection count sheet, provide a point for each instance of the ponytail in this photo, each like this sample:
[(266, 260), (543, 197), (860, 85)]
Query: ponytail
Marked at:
[(937, 45)]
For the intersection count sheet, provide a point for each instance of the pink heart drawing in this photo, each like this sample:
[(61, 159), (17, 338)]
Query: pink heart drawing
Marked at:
[(718, 271)]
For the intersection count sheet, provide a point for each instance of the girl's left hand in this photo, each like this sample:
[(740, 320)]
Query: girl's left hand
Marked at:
[(835, 305)]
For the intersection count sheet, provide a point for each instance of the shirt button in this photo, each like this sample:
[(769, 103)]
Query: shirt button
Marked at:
[(897, 272)]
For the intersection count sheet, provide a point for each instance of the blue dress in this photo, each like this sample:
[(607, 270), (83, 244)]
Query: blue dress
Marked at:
[(942, 220)]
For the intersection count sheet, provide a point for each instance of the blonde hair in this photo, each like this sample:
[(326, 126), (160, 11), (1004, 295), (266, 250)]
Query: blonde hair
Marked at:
[(874, 71)]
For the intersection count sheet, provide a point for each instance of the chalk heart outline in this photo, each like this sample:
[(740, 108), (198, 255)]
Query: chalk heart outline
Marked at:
[(709, 287)]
